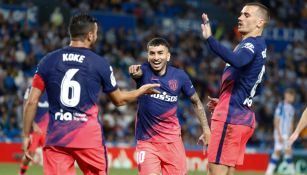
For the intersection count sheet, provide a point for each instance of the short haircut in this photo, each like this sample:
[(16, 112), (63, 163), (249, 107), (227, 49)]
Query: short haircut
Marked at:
[(290, 91), (157, 42), (263, 10), (80, 25)]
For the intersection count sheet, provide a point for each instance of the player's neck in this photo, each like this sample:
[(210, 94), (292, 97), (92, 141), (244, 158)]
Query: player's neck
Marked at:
[(78, 43), (161, 72), (254, 33), (287, 101)]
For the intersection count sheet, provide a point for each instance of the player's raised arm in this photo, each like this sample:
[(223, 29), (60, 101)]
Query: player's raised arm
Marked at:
[(120, 98), (241, 57), (201, 115), (135, 71)]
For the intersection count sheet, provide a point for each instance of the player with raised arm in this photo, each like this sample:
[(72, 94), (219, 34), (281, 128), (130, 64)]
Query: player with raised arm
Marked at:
[(233, 120), (39, 129), (73, 78), (158, 133), (283, 126)]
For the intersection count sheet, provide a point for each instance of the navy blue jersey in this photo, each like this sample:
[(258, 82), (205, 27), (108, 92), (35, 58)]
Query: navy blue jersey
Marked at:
[(156, 116), (73, 79), (243, 73)]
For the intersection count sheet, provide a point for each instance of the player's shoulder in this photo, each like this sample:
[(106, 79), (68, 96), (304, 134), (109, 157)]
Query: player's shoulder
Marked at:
[(176, 71), (145, 65), (279, 104), (254, 43), (50, 55), (259, 41)]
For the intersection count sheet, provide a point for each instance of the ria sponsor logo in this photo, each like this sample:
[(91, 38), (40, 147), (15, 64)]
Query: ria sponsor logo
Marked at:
[(68, 116), (165, 97)]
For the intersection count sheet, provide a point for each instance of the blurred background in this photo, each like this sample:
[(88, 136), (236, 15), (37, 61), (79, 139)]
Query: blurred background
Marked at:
[(31, 28)]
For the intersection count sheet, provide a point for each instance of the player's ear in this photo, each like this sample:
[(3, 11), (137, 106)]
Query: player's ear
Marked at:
[(90, 36), (260, 23), (168, 56)]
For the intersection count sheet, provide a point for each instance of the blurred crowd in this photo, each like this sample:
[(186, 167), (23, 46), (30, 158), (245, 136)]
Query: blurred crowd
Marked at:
[(23, 45)]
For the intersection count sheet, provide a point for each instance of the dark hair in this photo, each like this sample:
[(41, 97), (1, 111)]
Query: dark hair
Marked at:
[(80, 25), (290, 91), (157, 42), (264, 10)]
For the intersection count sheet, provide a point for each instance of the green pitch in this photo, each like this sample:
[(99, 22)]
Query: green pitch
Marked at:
[(12, 169)]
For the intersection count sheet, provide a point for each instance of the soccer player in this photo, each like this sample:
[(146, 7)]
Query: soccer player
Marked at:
[(39, 129), (283, 126), (158, 133), (300, 126), (73, 78), (233, 120)]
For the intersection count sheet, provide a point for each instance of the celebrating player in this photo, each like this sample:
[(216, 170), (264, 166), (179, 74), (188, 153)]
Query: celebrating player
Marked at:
[(158, 133), (73, 78), (233, 120)]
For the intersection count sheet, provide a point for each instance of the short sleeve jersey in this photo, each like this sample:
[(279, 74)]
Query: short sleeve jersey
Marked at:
[(285, 112), (156, 116), (74, 78)]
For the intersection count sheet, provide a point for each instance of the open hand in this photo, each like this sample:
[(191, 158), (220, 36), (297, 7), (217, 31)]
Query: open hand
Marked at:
[(205, 26), (205, 137), (25, 146)]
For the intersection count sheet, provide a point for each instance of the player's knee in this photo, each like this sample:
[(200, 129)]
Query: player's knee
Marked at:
[(231, 171), (215, 169)]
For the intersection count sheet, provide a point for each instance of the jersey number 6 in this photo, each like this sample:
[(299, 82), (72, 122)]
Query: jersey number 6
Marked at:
[(70, 89)]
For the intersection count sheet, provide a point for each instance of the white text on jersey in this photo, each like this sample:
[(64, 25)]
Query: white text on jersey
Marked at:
[(165, 97), (73, 57), (68, 116)]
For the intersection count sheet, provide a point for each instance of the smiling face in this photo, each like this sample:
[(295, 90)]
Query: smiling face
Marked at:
[(158, 56)]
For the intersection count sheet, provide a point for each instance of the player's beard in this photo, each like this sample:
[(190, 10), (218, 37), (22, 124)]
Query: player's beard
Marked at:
[(93, 44)]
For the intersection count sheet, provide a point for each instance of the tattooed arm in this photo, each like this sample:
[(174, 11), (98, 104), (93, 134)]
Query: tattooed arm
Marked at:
[(201, 115)]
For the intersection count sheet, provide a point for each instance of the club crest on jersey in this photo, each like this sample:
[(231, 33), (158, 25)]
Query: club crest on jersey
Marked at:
[(173, 85), (249, 46)]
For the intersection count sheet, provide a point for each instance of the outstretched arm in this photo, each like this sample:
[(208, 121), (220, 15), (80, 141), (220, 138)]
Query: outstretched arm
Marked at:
[(300, 126), (201, 115), (120, 98)]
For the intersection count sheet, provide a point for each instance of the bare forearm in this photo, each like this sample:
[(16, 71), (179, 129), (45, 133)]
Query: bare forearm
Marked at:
[(302, 123), (128, 96), (28, 117)]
